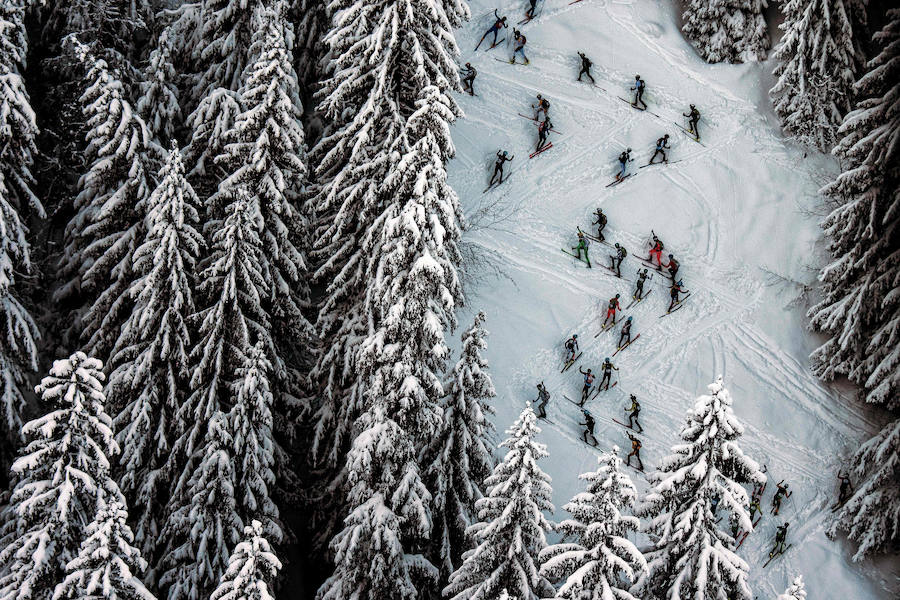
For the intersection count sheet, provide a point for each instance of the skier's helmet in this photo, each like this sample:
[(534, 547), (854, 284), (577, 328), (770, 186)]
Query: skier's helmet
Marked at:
[(617, 244), (670, 256), (633, 397), (469, 65), (505, 154), (637, 77), (692, 106), (629, 319), (617, 295), (589, 370), (666, 136), (607, 359), (629, 150)]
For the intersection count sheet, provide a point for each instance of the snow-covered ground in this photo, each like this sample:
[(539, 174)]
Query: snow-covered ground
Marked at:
[(741, 214)]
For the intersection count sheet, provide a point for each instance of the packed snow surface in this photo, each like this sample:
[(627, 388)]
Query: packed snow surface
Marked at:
[(740, 213)]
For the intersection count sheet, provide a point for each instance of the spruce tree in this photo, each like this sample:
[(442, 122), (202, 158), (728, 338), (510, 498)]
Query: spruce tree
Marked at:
[(151, 358), (265, 151), (61, 471), (253, 445), (110, 207), (18, 344), (727, 30), (596, 559), (382, 60), (107, 565), (858, 311), (252, 567), (691, 556), (158, 102), (795, 591), (871, 516), (204, 530), (818, 58), (459, 457), (511, 530), (390, 510)]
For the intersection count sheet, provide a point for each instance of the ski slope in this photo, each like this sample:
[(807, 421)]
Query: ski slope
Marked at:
[(741, 215)]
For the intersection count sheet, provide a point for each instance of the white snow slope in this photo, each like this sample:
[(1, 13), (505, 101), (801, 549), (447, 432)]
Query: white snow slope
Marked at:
[(733, 212)]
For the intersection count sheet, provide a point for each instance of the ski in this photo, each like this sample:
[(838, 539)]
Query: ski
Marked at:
[(536, 121), (605, 328), (634, 106), (547, 147), (495, 185), (576, 257), (746, 533), (678, 305), (613, 271), (574, 2), (573, 402), (665, 162), (638, 300), (771, 558), (503, 39), (594, 237), (635, 468), (546, 419), (626, 426), (513, 62), (615, 181), (691, 135), (525, 20), (571, 362), (606, 389), (626, 345)]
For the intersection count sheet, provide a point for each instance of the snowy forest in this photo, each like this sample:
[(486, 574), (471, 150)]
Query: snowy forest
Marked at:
[(232, 278)]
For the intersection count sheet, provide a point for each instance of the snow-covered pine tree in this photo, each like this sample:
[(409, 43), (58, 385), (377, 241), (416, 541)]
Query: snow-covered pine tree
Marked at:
[(253, 445), (59, 474), (511, 530), (251, 568), (223, 49), (158, 102), (375, 76), (107, 565), (727, 30), (233, 284), (818, 59), (310, 20), (265, 151), (389, 509), (18, 348), (110, 206), (204, 530), (795, 591), (690, 555), (410, 301), (871, 516), (151, 366), (459, 457), (209, 122), (596, 559), (859, 311)]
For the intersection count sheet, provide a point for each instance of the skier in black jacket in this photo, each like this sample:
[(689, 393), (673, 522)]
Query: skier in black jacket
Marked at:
[(626, 333), (468, 79), (585, 67), (661, 145), (502, 157), (600, 223), (589, 424), (693, 118)]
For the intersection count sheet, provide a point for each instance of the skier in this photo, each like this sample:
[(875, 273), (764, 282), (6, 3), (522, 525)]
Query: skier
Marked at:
[(608, 368), (589, 424), (755, 507), (544, 128), (499, 23), (529, 13), (735, 527), (543, 107), (626, 333), (639, 290), (780, 493), (780, 538), (468, 79), (634, 413), (638, 90), (600, 223), (845, 490), (656, 248), (583, 245), (624, 158), (588, 384), (693, 118), (673, 293), (661, 145), (635, 451), (498, 166), (543, 398), (571, 347), (672, 266), (714, 504), (585, 67), (611, 310), (621, 253), (518, 46)]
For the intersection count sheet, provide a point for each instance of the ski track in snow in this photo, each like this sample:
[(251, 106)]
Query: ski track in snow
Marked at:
[(796, 425)]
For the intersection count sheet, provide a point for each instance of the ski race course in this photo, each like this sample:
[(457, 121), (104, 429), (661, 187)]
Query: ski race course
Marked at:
[(740, 213)]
